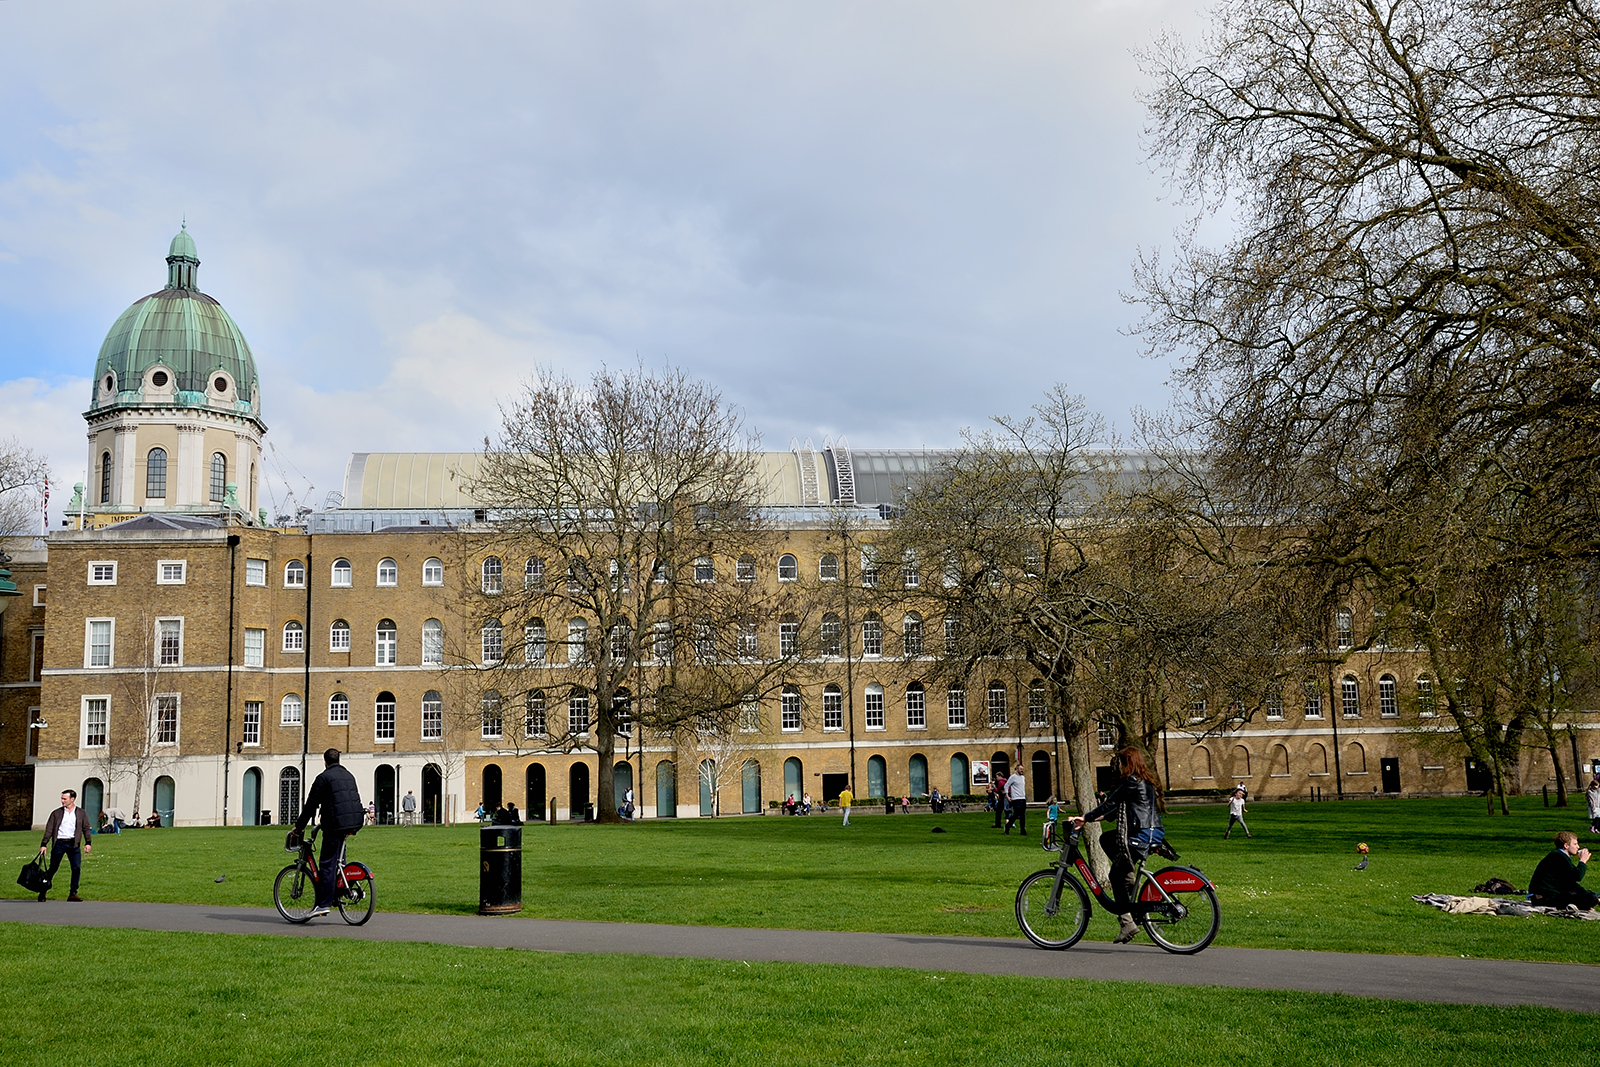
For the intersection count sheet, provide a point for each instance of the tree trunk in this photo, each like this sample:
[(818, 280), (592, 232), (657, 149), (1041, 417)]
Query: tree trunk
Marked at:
[(1075, 732), (605, 747), (1561, 783)]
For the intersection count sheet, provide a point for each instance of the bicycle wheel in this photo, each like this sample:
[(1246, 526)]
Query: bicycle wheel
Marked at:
[(1188, 924), (294, 893), (355, 898), (1052, 926)]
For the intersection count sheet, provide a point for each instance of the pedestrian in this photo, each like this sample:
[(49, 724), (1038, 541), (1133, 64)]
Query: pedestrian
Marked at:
[(845, 799), (335, 795), (1236, 810), (372, 813), (627, 804), (997, 799), (408, 805), (64, 830), (1017, 794), (1593, 796)]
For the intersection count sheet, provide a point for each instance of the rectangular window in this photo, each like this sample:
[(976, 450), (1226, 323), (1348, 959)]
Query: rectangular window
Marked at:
[(1275, 704), (383, 721), (38, 596), (832, 709), (255, 647), (578, 713), (788, 638), (252, 722), (750, 715), (96, 721), (1350, 698), (102, 572), (433, 643), (338, 710), (916, 710), (255, 572), (1105, 736), (874, 708), (169, 642), (789, 709), (1388, 698), (534, 722), (97, 642), (749, 640), (1037, 713), (388, 646), (533, 642), (1425, 706), (704, 570), (172, 572), (1197, 710), (1313, 701), (872, 637), (998, 712), (432, 719), (167, 719), (956, 702)]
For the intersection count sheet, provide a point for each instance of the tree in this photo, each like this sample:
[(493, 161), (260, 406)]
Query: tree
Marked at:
[(620, 558), (22, 474), (143, 736)]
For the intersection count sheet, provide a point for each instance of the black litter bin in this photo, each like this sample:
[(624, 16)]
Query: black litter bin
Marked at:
[(266, 817), (499, 870)]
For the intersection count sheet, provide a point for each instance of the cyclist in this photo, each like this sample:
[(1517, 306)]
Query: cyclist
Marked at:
[(335, 795), (1133, 803)]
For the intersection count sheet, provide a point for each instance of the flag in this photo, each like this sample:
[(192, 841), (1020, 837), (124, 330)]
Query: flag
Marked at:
[(47, 507)]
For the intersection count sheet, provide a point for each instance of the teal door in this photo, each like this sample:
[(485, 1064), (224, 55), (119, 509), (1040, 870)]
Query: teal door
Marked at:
[(164, 794), (794, 779), (251, 815), (877, 777), (91, 799), (752, 787), (708, 777), (959, 783), (919, 776), (621, 782), (666, 791)]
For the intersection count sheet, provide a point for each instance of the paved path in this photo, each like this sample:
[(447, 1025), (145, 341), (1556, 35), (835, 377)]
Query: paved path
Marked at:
[(1569, 986)]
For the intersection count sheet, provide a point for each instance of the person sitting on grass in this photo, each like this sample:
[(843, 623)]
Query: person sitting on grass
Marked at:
[(1555, 881)]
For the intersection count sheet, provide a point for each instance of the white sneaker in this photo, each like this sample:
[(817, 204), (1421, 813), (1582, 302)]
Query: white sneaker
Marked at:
[(318, 912)]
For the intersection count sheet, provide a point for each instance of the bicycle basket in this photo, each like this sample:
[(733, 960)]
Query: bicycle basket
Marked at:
[(1051, 841)]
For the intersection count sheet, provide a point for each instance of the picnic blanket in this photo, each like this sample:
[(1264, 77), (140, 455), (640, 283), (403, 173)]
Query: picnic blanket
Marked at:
[(1497, 906)]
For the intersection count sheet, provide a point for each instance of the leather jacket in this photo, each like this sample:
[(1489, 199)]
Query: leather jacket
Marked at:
[(1133, 805)]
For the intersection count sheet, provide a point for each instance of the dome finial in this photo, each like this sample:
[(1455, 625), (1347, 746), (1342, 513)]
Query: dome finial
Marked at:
[(182, 259)]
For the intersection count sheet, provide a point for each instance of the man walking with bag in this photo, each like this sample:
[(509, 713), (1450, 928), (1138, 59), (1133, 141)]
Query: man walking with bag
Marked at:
[(63, 831)]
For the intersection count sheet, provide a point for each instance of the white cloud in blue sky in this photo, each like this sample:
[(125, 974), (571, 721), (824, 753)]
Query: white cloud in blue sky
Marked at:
[(882, 220)]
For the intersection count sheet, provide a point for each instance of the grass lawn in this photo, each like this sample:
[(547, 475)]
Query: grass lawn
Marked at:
[(1291, 886), (209, 999)]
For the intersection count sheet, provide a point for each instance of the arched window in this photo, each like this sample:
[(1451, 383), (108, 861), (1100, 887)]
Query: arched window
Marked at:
[(788, 568), (533, 573), (872, 635), (1355, 759), (105, 478), (578, 641), (289, 710), (340, 576), (288, 795), (383, 718), (432, 571), (705, 569), (1350, 697), (492, 713), (388, 572), (916, 707), (578, 711), (494, 641), (432, 716), (338, 710), (999, 713), (828, 567), (832, 635), (832, 708), (432, 643), (294, 637), (339, 636), (1318, 759), (911, 632), (534, 722), (533, 640), (1388, 697), (1280, 762), (1200, 762), (1241, 761), (155, 473), (493, 575), (219, 477), (746, 569), (388, 643), (789, 709), (294, 574), (873, 706)]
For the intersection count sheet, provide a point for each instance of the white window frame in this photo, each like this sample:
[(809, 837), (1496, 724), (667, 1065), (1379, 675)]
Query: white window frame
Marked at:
[(88, 643), (285, 716), (789, 710), (432, 643), (294, 566), (38, 596), (432, 717), (576, 724), (535, 714), (172, 572), (1275, 705), (535, 643), (705, 570), (1038, 708), (872, 706), (339, 710), (1002, 705), (788, 637), (259, 659), (871, 636), (433, 571), (160, 658), (388, 574), (791, 572), (493, 583), (832, 709), (1388, 697), (955, 704), (492, 638), (389, 645), (383, 715), (250, 733), (102, 572), (341, 569), (825, 563), (177, 717), (298, 645), (83, 720), (338, 626), (1349, 709), (255, 571), (916, 708)]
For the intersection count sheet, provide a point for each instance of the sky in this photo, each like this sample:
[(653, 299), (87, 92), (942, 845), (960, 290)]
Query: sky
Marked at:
[(886, 221)]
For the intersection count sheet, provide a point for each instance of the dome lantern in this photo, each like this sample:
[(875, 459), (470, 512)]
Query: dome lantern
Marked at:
[(183, 262)]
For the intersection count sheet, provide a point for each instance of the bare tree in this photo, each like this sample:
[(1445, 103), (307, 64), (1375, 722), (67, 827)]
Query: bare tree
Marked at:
[(143, 738), (22, 477), (617, 572)]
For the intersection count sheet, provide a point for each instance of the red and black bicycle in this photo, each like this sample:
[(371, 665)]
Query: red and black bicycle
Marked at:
[(1177, 906)]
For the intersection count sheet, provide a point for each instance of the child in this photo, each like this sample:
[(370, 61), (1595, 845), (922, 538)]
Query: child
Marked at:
[(1236, 810)]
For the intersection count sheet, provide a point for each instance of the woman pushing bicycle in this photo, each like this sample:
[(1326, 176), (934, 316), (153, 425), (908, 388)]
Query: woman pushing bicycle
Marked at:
[(1134, 804)]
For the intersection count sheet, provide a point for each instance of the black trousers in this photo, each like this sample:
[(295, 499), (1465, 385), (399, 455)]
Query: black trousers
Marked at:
[(74, 856), (1580, 896), (328, 868), (1019, 815)]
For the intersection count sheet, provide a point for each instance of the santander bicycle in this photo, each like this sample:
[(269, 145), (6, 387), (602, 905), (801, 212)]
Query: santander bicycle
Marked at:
[(294, 893), (1177, 906)]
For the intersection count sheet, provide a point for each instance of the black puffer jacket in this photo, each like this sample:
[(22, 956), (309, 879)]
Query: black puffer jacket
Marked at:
[(1133, 805), (334, 793)]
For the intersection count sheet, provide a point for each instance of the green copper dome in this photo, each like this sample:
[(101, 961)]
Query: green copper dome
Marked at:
[(177, 348)]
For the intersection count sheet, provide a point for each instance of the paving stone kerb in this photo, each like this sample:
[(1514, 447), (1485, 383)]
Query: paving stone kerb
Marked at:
[(1434, 979)]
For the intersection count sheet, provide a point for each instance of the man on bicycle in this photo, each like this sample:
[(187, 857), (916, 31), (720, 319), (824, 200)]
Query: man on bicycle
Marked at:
[(335, 795)]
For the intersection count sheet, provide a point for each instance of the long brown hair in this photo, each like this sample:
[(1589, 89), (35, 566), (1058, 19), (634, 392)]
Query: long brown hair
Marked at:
[(1134, 766)]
